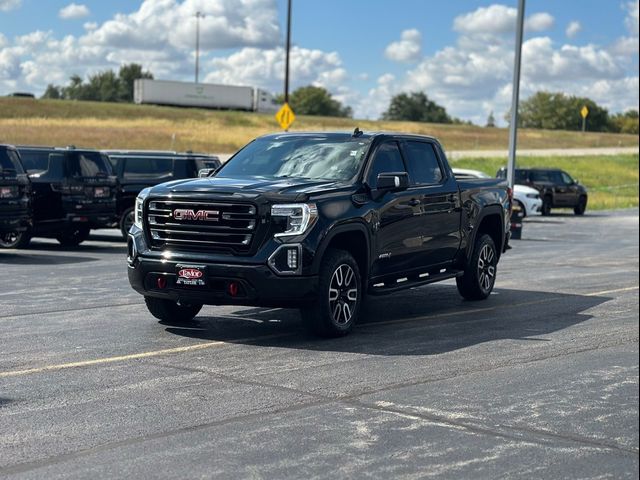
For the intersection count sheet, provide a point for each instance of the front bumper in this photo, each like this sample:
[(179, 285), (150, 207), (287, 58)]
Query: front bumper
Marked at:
[(254, 284), (10, 223)]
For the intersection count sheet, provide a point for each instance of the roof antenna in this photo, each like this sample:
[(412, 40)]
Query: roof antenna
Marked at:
[(357, 132)]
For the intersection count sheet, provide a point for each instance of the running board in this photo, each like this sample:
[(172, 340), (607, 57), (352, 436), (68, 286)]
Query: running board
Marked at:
[(416, 281)]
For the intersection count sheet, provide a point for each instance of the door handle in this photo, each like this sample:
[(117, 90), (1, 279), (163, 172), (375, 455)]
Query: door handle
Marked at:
[(414, 202)]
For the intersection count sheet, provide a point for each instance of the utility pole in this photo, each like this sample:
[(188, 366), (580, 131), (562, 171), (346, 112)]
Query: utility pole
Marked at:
[(288, 48), (513, 128), (199, 15)]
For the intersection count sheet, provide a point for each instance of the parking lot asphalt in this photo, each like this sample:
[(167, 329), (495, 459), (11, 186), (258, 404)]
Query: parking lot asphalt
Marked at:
[(538, 381)]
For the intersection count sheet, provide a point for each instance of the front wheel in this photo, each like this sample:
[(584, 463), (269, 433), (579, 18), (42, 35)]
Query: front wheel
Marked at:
[(337, 307), (126, 220), (581, 207), (170, 311), (480, 275), (15, 240), (74, 236)]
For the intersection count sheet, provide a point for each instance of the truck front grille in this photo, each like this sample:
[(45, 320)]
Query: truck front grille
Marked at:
[(190, 225)]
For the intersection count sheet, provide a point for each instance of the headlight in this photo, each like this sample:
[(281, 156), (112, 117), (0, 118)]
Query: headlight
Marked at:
[(533, 195), (138, 208), (300, 217)]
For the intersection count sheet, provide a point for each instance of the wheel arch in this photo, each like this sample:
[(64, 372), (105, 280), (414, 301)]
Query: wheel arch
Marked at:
[(490, 221), (353, 238)]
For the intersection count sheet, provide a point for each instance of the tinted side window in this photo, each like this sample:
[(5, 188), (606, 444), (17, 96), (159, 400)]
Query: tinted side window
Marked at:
[(540, 176), (386, 159), (86, 164), (10, 162), (35, 160), (566, 179), (422, 164), (144, 167)]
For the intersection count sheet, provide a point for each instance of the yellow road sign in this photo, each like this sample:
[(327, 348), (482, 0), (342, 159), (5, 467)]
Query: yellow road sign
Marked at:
[(285, 116), (584, 112)]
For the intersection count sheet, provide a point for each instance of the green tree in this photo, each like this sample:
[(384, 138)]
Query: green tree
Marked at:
[(312, 100), (626, 122), (53, 92), (127, 75), (557, 111), (415, 107), (491, 120)]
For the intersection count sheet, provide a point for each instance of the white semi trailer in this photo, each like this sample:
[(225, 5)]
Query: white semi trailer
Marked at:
[(204, 95)]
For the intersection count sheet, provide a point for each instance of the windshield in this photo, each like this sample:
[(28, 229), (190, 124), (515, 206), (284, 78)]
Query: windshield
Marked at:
[(315, 158), (87, 164), (9, 162)]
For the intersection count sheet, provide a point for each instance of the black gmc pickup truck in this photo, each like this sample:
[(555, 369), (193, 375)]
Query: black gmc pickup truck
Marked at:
[(317, 221)]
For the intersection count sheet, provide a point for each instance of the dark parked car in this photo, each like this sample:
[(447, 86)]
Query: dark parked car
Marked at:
[(74, 190), (556, 187), (138, 169), (15, 198), (317, 221)]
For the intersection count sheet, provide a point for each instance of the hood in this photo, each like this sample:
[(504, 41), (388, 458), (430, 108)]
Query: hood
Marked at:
[(298, 189), (524, 190)]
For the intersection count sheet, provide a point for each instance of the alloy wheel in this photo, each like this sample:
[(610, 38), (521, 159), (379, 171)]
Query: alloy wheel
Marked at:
[(486, 267), (343, 294)]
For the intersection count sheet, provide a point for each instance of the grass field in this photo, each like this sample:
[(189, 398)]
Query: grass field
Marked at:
[(612, 180), (116, 125)]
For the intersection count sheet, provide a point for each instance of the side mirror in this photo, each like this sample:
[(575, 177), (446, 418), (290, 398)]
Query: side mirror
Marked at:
[(205, 172), (576, 181), (392, 182)]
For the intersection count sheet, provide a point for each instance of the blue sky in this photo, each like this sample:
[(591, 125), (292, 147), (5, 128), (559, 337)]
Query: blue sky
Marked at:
[(459, 53)]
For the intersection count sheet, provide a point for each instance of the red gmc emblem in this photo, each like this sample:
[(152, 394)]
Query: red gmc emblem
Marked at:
[(200, 215), (190, 273)]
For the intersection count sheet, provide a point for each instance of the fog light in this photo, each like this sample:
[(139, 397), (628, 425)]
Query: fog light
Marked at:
[(292, 258), (286, 260)]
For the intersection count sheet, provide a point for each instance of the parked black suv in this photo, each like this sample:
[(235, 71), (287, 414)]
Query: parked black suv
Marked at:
[(138, 169), (316, 221), (74, 190), (15, 198), (556, 187)]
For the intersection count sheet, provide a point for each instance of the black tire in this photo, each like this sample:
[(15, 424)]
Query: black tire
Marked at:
[(74, 236), (547, 200), (15, 240), (170, 311), (581, 207), (521, 206), (126, 220), (478, 279), (336, 310)]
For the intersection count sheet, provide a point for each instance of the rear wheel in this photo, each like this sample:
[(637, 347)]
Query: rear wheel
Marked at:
[(581, 207), (337, 307), (15, 239), (126, 220), (546, 205), (480, 275), (74, 236), (170, 311)]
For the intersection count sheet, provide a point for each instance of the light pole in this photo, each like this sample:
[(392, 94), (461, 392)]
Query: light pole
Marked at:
[(513, 128), (286, 61), (199, 15)]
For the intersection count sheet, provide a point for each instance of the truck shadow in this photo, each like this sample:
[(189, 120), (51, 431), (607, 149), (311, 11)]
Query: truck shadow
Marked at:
[(424, 321), (23, 258)]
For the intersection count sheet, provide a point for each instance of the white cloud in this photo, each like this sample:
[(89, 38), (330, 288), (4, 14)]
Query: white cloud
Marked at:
[(6, 5), (73, 11), (265, 68), (573, 29), (407, 49), (499, 19), (632, 18), (539, 22), (90, 25)]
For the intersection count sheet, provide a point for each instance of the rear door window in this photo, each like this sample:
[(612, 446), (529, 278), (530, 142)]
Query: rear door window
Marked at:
[(148, 167), (540, 176), (422, 164), (87, 164)]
